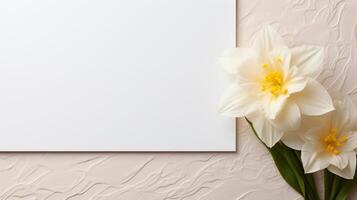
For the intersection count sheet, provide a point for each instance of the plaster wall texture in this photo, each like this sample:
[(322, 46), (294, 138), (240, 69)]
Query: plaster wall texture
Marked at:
[(249, 174)]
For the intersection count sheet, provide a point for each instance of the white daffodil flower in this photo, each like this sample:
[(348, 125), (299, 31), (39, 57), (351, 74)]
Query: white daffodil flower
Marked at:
[(274, 85), (329, 141)]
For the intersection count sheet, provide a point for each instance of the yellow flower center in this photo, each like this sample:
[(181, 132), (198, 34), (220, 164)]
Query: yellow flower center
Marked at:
[(273, 80), (333, 142)]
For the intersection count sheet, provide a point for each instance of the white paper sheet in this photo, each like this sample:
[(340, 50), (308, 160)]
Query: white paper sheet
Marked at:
[(114, 75)]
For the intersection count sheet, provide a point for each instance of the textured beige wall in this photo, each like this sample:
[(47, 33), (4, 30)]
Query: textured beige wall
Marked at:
[(246, 175), (249, 174)]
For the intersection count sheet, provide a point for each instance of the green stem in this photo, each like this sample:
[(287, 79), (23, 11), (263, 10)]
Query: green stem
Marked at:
[(335, 187), (328, 179), (289, 165), (309, 177)]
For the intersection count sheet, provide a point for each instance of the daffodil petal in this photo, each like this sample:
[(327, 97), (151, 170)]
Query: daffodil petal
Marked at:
[(349, 171), (345, 115), (293, 140), (340, 161), (272, 105), (312, 160), (289, 117), (283, 55), (308, 59), (314, 99), (238, 101), (351, 143), (266, 131), (296, 84), (233, 59), (267, 40), (314, 134)]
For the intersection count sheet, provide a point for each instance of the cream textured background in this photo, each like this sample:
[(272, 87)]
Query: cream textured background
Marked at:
[(246, 175)]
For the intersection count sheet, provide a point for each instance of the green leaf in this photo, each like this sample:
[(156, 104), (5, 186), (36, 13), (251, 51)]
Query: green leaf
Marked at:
[(345, 190), (285, 171), (290, 167), (328, 180), (337, 188)]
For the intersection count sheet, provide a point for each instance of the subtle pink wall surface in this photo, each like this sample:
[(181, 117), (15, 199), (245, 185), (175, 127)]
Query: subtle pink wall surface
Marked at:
[(247, 175)]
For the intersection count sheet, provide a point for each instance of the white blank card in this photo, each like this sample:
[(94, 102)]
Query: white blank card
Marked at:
[(114, 75)]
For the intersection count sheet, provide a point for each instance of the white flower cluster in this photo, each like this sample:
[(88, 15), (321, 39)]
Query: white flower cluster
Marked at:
[(275, 87)]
